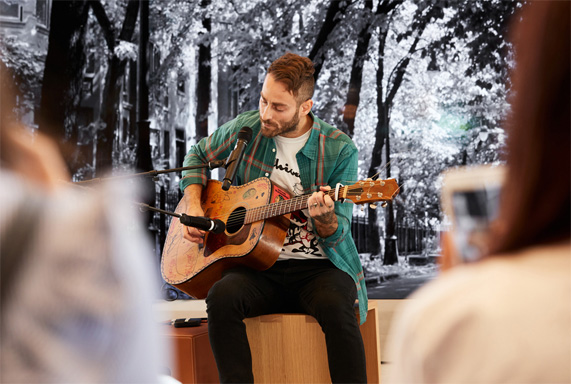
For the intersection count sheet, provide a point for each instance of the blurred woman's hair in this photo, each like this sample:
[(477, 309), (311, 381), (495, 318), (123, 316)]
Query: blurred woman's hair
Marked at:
[(535, 205), (7, 94), (7, 105)]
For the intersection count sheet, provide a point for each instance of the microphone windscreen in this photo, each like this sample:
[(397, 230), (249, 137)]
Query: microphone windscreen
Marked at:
[(245, 134)]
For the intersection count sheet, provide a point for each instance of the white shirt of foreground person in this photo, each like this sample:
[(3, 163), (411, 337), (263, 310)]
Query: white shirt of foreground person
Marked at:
[(503, 320), (80, 307)]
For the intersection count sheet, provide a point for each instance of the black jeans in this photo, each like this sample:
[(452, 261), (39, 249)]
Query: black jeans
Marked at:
[(315, 287)]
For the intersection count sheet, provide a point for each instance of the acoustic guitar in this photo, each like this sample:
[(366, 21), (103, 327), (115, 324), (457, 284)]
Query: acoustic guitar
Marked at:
[(256, 216)]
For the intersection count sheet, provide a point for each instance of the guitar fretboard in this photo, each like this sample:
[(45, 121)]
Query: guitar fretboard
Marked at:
[(282, 207)]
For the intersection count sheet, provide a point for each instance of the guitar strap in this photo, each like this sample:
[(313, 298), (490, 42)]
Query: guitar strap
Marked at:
[(16, 241)]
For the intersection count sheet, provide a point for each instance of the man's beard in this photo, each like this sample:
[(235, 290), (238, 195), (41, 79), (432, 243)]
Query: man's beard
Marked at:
[(281, 128)]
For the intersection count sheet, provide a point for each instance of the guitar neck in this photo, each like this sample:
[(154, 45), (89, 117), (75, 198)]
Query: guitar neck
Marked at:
[(282, 207)]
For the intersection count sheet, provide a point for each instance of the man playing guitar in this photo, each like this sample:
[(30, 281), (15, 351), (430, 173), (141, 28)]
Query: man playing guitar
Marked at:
[(318, 270)]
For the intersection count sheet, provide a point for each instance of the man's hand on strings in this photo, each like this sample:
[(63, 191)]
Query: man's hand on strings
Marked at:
[(322, 209)]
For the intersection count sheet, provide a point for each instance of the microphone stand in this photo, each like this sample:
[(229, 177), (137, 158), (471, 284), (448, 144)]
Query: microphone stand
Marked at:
[(154, 173), (217, 226), (145, 207)]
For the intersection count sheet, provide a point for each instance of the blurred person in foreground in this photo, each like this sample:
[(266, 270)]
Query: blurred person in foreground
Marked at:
[(507, 318), (76, 280)]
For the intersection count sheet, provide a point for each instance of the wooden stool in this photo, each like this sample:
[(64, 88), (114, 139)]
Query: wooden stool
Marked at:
[(193, 358), (290, 348)]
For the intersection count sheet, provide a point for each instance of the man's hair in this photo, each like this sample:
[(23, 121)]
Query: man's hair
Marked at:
[(296, 72)]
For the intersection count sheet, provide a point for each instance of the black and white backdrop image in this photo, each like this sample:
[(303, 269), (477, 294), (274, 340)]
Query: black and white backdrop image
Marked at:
[(128, 86)]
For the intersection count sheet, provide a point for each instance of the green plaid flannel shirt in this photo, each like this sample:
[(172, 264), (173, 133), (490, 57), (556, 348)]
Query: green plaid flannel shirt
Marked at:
[(329, 157)]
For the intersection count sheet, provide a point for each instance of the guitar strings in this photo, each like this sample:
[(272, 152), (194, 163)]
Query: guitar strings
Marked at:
[(277, 208), (384, 168), (282, 207), (272, 209), (269, 210)]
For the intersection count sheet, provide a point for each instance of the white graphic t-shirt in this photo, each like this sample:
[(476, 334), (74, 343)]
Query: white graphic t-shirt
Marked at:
[(300, 242)]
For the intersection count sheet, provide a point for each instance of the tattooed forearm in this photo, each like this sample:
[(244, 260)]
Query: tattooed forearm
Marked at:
[(328, 218), (326, 224)]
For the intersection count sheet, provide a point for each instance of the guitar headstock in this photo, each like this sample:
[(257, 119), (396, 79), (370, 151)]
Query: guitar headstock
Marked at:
[(369, 191)]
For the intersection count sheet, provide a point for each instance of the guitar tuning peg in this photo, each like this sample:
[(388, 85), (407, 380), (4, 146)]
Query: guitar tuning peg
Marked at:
[(373, 206), (362, 208), (384, 204), (368, 179)]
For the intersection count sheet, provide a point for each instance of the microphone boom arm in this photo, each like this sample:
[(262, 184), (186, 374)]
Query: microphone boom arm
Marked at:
[(215, 225), (154, 173)]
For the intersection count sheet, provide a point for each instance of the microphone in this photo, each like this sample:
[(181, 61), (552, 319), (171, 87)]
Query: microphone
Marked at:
[(204, 223), (244, 136)]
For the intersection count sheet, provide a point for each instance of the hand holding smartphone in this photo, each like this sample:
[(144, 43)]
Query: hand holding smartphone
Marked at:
[(470, 200)]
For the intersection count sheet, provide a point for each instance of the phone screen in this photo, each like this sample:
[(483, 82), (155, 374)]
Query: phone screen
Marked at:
[(473, 213), (470, 200)]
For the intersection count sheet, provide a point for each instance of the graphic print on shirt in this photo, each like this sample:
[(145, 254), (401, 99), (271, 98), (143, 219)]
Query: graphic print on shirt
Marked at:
[(285, 168), (297, 189), (299, 240)]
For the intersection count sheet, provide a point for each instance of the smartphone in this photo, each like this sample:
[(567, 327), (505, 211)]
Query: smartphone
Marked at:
[(189, 322), (470, 201)]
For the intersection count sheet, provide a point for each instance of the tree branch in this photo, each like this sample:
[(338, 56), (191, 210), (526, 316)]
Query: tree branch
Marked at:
[(386, 6), (317, 52), (104, 22), (400, 69), (173, 54), (236, 9), (130, 21)]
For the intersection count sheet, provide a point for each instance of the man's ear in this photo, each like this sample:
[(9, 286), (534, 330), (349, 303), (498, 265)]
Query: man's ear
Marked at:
[(305, 107)]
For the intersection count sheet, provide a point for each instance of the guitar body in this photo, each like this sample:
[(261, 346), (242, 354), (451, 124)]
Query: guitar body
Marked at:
[(194, 268)]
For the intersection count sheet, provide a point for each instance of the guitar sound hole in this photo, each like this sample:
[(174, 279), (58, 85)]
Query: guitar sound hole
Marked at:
[(236, 220)]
